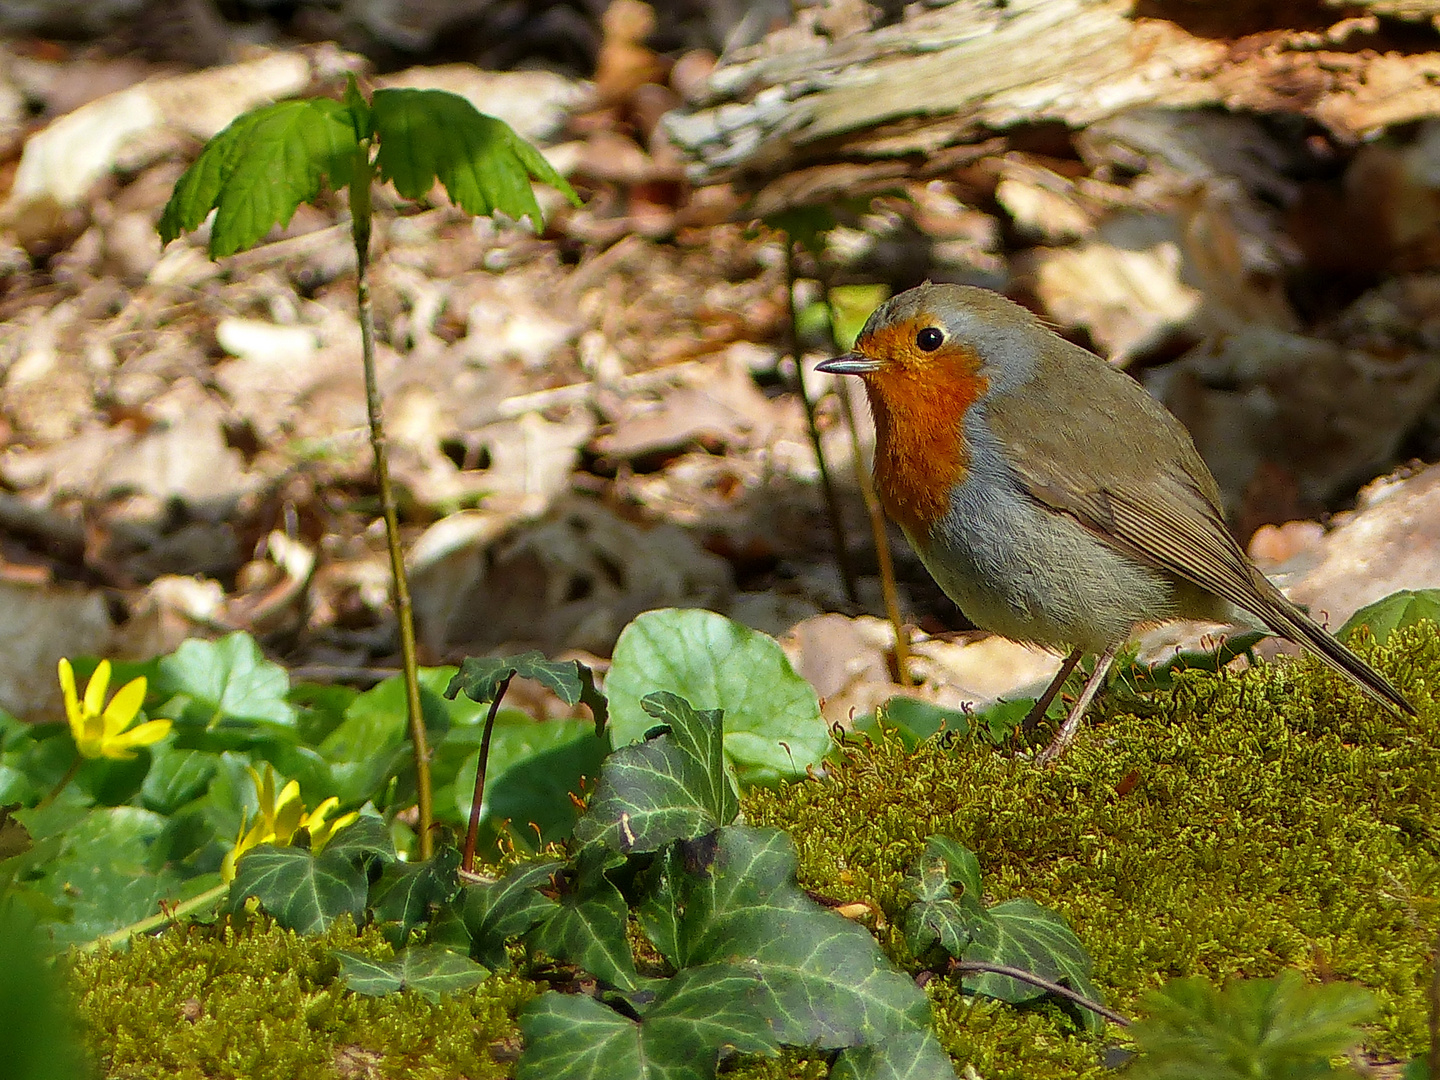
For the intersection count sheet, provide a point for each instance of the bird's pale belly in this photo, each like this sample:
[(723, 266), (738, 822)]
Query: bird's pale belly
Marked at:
[(1031, 574)]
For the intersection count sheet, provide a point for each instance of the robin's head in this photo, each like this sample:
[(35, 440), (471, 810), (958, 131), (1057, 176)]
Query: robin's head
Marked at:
[(955, 341), (927, 357)]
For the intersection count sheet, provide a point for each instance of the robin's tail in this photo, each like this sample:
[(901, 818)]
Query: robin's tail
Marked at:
[(1287, 619)]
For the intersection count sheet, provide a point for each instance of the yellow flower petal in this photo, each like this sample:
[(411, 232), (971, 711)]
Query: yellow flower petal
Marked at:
[(124, 706), (67, 691), (96, 687), (122, 746)]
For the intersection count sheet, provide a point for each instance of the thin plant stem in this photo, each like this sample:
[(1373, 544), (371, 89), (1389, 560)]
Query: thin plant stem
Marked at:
[(360, 215), (63, 784), (976, 966), (832, 500), (164, 918), (472, 833), (882, 544)]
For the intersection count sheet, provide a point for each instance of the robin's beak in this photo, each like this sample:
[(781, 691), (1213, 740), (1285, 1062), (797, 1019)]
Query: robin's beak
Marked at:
[(851, 363)]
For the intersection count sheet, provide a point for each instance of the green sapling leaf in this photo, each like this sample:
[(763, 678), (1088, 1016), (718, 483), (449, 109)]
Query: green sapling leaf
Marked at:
[(259, 169), (429, 135)]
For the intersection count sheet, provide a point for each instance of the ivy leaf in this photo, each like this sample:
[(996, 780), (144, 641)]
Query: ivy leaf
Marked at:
[(673, 786), (1253, 1028), (679, 1037), (226, 684), (259, 169), (303, 892), (830, 986), (363, 841), (587, 927), (773, 726), (494, 913), (940, 917), (906, 1055), (480, 677), (1384, 617), (405, 892), (429, 970), (427, 135), (1020, 933)]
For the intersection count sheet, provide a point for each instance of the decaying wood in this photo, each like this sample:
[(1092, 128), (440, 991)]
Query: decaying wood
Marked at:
[(946, 77)]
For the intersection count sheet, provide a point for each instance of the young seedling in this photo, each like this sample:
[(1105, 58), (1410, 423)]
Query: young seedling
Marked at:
[(267, 162)]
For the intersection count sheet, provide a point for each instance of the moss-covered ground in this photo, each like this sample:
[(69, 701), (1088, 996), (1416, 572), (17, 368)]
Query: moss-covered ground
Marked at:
[(1232, 827)]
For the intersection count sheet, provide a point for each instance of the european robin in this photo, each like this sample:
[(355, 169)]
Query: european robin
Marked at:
[(1049, 495)]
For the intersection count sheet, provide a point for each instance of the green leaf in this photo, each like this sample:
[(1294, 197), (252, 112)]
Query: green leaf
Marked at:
[(429, 970), (587, 928), (1021, 934), (429, 135), (1268, 1029), (829, 984), (1384, 617), (259, 169), (38, 1039), (102, 876), (226, 684), (370, 744), (673, 786), (569, 680), (535, 766), (1418, 1069), (177, 777), (505, 909), (679, 1037), (906, 1055), (405, 892), (915, 720), (364, 841), (773, 726), (850, 307), (303, 892), (940, 917)]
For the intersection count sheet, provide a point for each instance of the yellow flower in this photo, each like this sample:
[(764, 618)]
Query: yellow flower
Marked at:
[(101, 732), (280, 818)]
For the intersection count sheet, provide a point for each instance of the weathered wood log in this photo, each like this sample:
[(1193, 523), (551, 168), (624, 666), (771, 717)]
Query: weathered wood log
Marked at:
[(946, 77)]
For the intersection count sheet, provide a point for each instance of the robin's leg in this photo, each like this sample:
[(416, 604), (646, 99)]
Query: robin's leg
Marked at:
[(1066, 735), (1036, 714)]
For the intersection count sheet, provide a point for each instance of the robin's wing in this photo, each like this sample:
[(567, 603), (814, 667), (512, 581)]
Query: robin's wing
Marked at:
[(1096, 459)]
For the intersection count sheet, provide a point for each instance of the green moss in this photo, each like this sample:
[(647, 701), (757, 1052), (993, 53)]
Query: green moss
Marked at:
[(1275, 819), (265, 1003), (1272, 819)]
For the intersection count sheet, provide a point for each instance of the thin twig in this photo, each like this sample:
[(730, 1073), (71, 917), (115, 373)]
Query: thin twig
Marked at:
[(360, 214), (472, 833), (832, 500), (882, 544), (1020, 974)]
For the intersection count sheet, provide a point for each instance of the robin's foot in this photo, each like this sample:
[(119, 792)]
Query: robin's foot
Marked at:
[(1037, 713), (1068, 730)]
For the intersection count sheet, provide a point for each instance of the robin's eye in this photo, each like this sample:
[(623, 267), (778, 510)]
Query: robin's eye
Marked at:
[(930, 339)]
